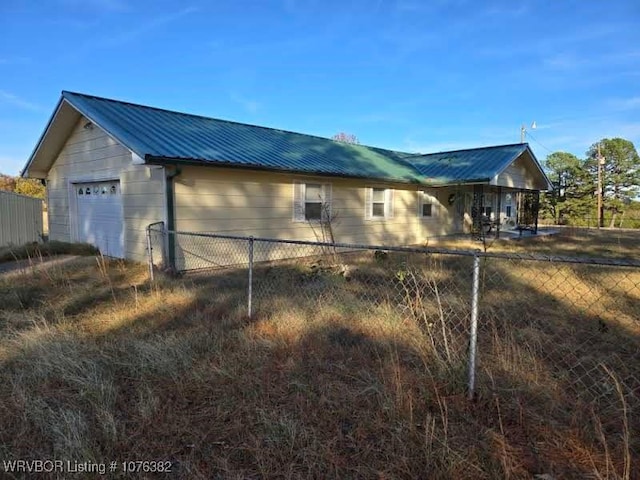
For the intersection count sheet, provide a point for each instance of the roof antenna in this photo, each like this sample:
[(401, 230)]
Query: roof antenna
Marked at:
[(523, 131)]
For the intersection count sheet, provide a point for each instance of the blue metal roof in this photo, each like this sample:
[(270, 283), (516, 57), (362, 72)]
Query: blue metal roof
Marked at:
[(158, 136)]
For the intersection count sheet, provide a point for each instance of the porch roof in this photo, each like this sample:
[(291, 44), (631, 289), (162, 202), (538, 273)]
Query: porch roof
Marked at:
[(475, 165)]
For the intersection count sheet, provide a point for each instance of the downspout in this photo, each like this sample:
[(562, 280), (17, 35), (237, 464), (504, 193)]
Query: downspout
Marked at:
[(46, 204), (171, 174)]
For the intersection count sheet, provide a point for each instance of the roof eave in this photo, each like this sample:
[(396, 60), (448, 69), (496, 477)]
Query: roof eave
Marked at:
[(159, 160), (41, 139), (470, 181)]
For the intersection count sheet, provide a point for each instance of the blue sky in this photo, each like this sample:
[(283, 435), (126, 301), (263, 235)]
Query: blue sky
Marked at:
[(418, 76)]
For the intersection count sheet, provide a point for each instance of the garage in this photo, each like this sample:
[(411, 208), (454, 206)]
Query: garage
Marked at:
[(99, 216)]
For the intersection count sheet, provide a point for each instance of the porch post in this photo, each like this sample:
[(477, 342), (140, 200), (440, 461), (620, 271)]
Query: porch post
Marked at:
[(536, 210), (519, 212), (476, 213), (499, 213)]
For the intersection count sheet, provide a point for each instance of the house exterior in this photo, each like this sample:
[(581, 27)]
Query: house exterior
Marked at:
[(112, 168)]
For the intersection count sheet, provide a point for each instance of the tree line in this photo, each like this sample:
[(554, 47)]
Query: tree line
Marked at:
[(24, 186), (574, 198)]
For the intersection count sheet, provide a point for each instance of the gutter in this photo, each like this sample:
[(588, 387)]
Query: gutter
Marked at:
[(154, 160), (423, 182)]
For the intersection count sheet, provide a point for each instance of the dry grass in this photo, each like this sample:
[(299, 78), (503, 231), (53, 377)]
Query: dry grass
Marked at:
[(36, 251), (326, 381), (605, 243)]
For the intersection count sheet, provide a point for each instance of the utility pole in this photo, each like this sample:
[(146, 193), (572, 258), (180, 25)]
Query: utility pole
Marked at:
[(601, 162)]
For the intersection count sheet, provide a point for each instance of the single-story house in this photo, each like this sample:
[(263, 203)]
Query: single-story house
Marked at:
[(112, 168)]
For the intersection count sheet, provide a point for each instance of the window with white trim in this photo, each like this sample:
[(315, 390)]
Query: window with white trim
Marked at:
[(311, 202), (508, 209), (487, 207), (378, 203), (427, 205)]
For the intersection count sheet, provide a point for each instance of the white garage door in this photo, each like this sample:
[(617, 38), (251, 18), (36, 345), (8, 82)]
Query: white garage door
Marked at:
[(99, 221)]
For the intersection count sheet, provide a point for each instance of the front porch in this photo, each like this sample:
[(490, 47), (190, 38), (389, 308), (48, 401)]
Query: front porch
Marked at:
[(491, 211)]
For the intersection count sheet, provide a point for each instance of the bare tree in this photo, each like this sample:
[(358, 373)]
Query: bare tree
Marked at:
[(346, 138)]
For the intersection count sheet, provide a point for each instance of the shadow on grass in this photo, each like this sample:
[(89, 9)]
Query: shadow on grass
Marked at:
[(325, 381)]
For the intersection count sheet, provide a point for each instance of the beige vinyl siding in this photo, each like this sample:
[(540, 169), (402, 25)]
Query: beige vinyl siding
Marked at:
[(523, 175), (90, 154), (20, 219), (87, 154), (143, 202), (242, 202)]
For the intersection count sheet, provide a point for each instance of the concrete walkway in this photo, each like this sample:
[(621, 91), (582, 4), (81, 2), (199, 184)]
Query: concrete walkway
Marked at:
[(516, 235)]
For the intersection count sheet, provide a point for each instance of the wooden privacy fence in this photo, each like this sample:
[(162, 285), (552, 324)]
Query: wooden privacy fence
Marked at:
[(20, 219)]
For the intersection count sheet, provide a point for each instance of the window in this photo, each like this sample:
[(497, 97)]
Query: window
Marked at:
[(507, 205), (311, 202), (426, 205), (378, 203), (487, 207)]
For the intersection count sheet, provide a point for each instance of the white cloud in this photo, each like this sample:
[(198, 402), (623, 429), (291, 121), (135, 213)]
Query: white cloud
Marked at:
[(435, 147), (503, 11), (16, 101), (249, 105), (631, 103), (565, 61), (556, 50), (104, 5), (15, 60), (154, 23)]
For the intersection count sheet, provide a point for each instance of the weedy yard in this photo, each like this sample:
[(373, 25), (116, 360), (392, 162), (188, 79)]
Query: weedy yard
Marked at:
[(334, 377)]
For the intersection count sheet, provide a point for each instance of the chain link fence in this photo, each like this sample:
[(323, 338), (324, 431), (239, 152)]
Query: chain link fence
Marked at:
[(572, 324), (620, 221)]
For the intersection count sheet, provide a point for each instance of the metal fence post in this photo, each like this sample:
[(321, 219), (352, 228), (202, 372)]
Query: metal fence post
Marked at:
[(250, 293), (165, 245), (150, 253), (473, 334)]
